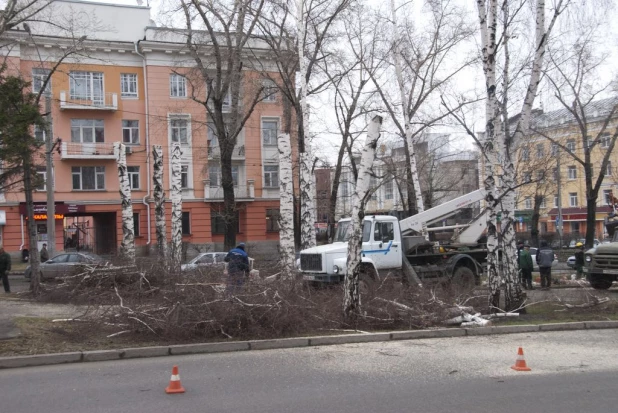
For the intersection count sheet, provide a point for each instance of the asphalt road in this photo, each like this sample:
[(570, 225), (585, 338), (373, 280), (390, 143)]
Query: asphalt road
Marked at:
[(571, 372)]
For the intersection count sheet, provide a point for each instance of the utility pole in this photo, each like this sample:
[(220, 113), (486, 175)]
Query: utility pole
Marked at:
[(559, 224), (49, 179)]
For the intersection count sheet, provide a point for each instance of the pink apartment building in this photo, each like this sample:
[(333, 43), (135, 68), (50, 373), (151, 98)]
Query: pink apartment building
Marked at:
[(129, 86)]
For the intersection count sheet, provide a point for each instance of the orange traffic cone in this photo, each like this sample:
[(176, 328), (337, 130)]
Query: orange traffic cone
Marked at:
[(520, 363), (175, 386)]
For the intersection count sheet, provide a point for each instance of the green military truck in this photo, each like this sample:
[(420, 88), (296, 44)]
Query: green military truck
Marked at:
[(601, 262)]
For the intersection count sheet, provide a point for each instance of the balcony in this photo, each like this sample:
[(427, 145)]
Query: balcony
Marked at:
[(94, 150), (107, 102), (242, 193), (214, 152)]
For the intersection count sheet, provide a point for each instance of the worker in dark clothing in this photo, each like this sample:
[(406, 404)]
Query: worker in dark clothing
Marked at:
[(545, 259), (525, 266), (237, 268), (520, 246), (5, 267), (579, 260)]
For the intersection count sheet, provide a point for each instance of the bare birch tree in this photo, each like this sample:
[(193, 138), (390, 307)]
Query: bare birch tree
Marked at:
[(352, 301), (309, 27), (176, 198)]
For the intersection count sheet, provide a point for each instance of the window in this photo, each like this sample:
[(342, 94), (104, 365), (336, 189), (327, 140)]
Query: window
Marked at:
[(540, 150), (88, 178), (179, 131), (556, 201), (272, 220), (388, 189), (133, 172), (136, 224), (373, 188), (130, 132), (573, 199), (555, 174), (383, 232), (270, 91), (87, 130), (184, 176), (540, 175), (605, 141), (528, 203), (608, 170), (589, 141), (178, 86), (575, 227), (186, 223), (39, 76), (271, 176), (343, 188), (269, 132), (525, 154), (128, 85), (527, 177), (214, 174), (213, 139), (572, 172), (554, 149), (41, 179), (570, 145), (607, 196), (87, 86), (235, 174), (543, 203), (39, 133), (217, 222)]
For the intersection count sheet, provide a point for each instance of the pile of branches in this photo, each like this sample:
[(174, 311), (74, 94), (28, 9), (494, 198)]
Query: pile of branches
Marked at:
[(196, 305)]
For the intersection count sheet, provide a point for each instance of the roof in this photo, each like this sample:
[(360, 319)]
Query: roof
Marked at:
[(595, 110)]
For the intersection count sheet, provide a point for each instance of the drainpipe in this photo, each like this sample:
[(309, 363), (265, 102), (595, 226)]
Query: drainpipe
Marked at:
[(23, 239), (148, 172)]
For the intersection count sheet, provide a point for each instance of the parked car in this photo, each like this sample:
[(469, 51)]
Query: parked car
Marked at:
[(64, 264), (205, 260), (214, 260), (535, 265), (571, 261)]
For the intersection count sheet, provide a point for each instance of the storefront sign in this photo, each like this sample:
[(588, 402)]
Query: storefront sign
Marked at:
[(42, 217), (40, 208)]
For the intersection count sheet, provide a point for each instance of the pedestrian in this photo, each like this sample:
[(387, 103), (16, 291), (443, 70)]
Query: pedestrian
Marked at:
[(5, 267), (526, 266), (44, 254), (579, 260), (545, 258), (237, 269)]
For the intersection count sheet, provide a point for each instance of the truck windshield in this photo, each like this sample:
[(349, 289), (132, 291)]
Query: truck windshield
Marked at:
[(344, 231)]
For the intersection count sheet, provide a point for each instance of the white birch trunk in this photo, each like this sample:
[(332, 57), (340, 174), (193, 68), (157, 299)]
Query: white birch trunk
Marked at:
[(159, 200), (406, 118), (127, 246), (351, 302), (307, 181), (307, 202), (286, 206), (176, 198), (488, 21)]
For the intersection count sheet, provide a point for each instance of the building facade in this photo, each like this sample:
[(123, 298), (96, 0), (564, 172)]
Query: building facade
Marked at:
[(130, 83), (557, 180)]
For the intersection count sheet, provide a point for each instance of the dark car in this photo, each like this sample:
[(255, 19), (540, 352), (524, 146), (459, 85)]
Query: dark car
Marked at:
[(65, 264)]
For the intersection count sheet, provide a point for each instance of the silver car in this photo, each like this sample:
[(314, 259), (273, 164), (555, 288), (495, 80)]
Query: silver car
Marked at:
[(205, 259), (65, 264)]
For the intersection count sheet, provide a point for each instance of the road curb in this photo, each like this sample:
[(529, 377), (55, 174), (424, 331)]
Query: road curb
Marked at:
[(234, 346)]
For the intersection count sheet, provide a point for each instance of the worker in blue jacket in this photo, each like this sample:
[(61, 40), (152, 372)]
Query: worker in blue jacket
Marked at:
[(237, 268)]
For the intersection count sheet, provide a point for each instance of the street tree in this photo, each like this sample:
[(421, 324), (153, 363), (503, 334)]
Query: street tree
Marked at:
[(575, 76), (219, 36)]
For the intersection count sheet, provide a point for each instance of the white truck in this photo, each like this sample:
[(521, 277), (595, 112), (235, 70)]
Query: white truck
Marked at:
[(402, 248)]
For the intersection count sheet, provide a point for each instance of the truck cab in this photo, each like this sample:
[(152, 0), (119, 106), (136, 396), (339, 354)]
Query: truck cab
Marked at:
[(382, 250), (601, 262)]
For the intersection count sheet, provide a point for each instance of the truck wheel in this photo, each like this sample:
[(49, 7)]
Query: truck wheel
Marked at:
[(463, 278), (367, 282), (600, 282)]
